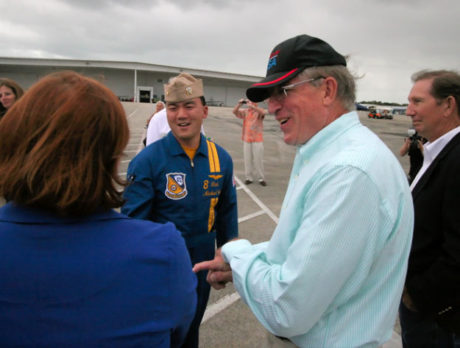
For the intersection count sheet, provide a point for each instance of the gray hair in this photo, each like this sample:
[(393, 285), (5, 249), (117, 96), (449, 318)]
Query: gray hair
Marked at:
[(346, 87)]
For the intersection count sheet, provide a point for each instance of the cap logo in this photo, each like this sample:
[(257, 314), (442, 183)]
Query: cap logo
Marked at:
[(183, 87), (272, 59)]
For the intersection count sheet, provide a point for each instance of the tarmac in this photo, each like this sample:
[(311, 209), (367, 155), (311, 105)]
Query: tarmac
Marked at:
[(228, 322)]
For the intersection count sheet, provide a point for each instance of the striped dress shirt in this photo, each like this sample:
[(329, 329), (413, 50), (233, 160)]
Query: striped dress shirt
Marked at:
[(333, 272)]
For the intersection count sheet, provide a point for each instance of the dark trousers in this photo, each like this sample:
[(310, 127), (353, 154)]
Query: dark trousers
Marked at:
[(198, 254), (419, 331)]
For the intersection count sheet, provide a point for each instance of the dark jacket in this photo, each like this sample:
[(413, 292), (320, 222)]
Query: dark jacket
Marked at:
[(433, 278)]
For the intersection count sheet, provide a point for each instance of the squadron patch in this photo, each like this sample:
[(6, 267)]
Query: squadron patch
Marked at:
[(176, 187)]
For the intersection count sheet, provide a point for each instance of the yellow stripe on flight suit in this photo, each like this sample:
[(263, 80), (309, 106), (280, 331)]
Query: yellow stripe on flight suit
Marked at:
[(214, 167)]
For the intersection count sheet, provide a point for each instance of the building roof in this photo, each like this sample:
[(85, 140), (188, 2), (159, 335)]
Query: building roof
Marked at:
[(108, 64)]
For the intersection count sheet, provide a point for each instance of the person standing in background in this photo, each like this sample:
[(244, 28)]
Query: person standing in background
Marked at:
[(158, 107), (430, 307), (253, 141), (10, 92), (413, 146)]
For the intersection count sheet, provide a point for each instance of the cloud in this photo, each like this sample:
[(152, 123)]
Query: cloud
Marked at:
[(106, 4), (387, 40)]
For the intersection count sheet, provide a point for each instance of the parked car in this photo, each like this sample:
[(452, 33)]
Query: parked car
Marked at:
[(360, 107), (387, 114), (374, 113), (380, 113)]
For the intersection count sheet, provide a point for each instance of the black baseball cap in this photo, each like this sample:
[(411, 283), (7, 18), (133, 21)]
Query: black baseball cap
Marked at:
[(290, 58)]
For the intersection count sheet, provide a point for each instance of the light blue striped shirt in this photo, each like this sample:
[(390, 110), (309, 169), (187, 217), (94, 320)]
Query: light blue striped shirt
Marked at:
[(333, 272)]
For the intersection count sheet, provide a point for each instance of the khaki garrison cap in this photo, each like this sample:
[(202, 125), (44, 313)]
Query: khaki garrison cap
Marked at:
[(183, 87)]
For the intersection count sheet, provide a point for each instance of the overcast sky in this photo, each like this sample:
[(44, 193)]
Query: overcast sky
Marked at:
[(387, 40)]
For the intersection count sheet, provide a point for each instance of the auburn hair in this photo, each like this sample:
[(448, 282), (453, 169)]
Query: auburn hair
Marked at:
[(61, 144)]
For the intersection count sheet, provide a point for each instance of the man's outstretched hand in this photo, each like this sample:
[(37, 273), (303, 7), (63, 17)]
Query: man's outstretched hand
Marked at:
[(219, 273)]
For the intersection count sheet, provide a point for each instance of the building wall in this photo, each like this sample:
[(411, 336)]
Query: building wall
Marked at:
[(218, 91), (25, 77), (121, 82)]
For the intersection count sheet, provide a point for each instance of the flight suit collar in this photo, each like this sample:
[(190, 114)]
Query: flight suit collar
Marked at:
[(175, 149)]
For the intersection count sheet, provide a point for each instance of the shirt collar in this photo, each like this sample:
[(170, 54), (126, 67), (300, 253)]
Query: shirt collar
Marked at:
[(175, 148), (329, 133), (432, 149)]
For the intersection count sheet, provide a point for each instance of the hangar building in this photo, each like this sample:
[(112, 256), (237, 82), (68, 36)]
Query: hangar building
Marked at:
[(140, 82)]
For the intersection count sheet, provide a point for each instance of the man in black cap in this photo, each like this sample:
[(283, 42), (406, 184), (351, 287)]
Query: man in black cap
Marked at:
[(333, 272)]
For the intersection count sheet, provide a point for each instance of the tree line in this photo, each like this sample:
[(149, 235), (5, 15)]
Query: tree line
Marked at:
[(377, 102)]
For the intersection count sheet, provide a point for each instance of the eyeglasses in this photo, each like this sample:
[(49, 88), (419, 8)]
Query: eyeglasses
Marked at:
[(279, 93)]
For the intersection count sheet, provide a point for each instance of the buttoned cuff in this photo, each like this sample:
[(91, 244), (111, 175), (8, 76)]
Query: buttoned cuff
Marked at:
[(230, 249)]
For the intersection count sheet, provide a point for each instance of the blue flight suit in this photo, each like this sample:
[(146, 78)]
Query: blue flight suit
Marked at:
[(197, 195)]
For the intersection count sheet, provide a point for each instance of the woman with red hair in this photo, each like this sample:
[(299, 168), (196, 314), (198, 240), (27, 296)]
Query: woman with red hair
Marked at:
[(74, 272)]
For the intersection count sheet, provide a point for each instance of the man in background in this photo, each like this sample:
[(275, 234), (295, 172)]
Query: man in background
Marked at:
[(253, 141), (158, 107), (157, 127), (413, 146), (430, 309)]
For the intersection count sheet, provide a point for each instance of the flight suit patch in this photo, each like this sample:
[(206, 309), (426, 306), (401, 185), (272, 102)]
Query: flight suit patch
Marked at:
[(176, 187)]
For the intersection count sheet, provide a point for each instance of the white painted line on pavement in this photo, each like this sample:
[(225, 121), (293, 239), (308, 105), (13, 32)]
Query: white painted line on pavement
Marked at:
[(250, 216), (219, 306), (257, 200), (132, 113)]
